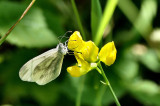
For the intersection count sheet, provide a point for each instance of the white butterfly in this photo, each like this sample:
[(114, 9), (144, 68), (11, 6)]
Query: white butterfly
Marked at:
[(45, 67)]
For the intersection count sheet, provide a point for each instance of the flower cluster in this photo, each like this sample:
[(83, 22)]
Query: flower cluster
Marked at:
[(87, 54)]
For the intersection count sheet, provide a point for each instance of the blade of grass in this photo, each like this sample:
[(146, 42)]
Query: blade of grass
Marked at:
[(96, 15), (99, 97), (142, 19), (78, 19), (9, 31), (108, 12), (146, 15), (79, 91), (129, 9)]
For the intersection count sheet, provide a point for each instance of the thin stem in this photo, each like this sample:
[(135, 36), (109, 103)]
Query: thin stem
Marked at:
[(79, 91), (108, 83), (78, 19), (9, 31), (98, 70), (99, 96)]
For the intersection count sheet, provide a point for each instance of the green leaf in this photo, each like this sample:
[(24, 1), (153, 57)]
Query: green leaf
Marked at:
[(146, 91), (96, 14), (147, 13), (32, 31), (126, 65), (108, 12), (127, 69), (150, 60), (142, 20), (129, 9)]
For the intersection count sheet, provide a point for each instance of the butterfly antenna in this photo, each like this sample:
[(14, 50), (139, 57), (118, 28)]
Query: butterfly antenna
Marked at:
[(59, 40), (67, 32), (66, 43), (64, 36)]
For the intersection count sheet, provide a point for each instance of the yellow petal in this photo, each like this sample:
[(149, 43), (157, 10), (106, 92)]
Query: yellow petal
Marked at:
[(81, 68), (74, 71), (108, 53), (77, 71), (75, 42), (81, 62), (79, 58), (90, 51)]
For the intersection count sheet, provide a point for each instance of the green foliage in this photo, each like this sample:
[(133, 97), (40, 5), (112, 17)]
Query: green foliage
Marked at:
[(94, 93), (133, 26), (96, 15), (108, 12), (146, 91), (150, 60), (31, 32)]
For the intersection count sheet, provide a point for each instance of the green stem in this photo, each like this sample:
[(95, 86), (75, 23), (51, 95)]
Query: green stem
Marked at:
[(99, 96), (108, 83), (98, 70), (79, 91), (9, 31), (78, 19), (108, 12)]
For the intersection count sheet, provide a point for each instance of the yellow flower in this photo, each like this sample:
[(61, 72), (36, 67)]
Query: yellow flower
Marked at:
[(86, 54), (90, 52), (75, 42), (88, 49), (81, 68), (108, 53), (81, 52)]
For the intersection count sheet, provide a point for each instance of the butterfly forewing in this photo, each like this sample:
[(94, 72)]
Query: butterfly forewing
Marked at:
[(48, 70), (27, 69)]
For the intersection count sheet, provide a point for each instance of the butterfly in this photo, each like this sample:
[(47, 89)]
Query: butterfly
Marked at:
[(45, 67)]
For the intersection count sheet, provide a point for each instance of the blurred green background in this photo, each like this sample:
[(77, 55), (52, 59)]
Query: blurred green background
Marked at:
[(135, 75)]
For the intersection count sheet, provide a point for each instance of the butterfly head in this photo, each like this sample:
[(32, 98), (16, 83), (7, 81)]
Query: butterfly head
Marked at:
[(62, 48)]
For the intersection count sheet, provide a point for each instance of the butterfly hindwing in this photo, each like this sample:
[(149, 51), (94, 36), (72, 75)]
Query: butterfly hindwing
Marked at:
[(28, 68), (48, 70)]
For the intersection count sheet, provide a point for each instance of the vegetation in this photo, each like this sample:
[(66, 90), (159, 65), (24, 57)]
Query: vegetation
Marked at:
[(133, 25)]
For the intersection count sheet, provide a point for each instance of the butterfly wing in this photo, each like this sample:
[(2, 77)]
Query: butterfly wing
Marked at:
[(48, 70), (28, 69)]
